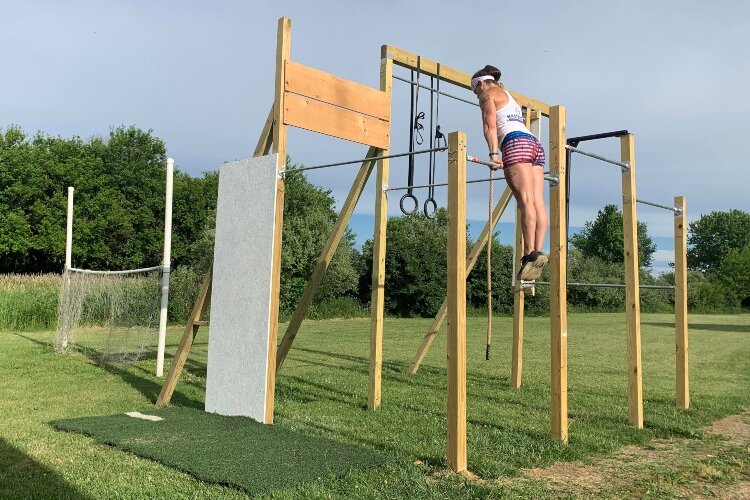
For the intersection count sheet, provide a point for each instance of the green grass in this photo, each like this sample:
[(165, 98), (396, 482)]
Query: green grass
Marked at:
[(322, 391)]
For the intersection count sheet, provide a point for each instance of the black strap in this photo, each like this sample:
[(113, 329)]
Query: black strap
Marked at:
[(439, 136), (418, 127), (409, 192)]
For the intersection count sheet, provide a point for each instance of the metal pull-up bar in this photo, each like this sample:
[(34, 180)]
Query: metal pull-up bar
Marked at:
[(362, 160), (553, 179), (676, 210), (599, 285), (623, 164)]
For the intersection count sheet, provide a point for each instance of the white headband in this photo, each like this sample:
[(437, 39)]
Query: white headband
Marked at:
[(475, 81)]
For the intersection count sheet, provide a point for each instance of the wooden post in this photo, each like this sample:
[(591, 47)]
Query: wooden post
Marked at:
[(283, 51), (558, 295), (680, 303), (325, 257), (194, 322), (378, 254), (457, 301), (470, 261), (516, 367), (632, 289), (265, 141)]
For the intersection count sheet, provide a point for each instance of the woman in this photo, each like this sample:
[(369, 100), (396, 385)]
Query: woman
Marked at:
[(522, 162)]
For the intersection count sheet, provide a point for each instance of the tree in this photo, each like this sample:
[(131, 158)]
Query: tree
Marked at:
[(713, 236), (309, 217), (415, 266), (735, 275), (604, 238), (119, 206), (502, 278)]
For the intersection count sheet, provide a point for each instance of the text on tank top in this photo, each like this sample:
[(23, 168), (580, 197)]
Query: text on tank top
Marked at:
[(510, 118)]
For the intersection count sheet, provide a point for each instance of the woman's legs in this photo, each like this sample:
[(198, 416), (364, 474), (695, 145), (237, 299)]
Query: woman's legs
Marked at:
[(520, 178), (540, 209)]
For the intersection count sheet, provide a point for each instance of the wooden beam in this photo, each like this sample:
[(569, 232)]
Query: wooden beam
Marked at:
[(337, 91), (309, 114), (265, 141), (324, 260), (558, 296), (632, 289), (516, 366), (377, 300), (457, 301), (680, 303), (283, 51), (470, 261), (448, 74), (191, 330)]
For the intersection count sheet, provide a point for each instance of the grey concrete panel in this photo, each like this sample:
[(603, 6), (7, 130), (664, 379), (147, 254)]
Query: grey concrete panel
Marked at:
[(241, 291)]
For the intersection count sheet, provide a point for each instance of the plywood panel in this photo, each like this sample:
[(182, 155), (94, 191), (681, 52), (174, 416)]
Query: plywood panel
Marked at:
[(238, 342), (331, 89)]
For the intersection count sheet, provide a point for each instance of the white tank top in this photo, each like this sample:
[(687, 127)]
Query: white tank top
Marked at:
[(510, 118)]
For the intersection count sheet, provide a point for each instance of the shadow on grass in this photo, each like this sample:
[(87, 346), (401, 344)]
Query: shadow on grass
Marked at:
[(150, 389), (23, 477), (711, 327)]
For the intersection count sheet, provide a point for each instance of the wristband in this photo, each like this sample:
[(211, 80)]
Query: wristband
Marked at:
[(493, 154)]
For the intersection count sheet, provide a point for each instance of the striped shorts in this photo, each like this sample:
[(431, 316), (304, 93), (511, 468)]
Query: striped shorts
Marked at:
[(520, 147)]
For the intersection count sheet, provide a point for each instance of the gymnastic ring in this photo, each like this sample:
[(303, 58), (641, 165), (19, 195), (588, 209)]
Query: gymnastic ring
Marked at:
[(401, 204), (430, 214)]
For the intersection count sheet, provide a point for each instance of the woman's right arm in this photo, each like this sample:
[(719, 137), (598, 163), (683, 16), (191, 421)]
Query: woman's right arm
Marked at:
[(489, 124)]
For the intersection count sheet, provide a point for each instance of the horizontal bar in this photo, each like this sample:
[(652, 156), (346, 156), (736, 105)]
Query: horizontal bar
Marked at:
[(554, 180), (446, 94), (622, 164), (600, 285), (676, 210), (369, 158), (573, 141), (125, 271), (472, 181)]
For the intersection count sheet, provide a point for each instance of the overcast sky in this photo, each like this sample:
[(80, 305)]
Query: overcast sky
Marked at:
[(201, 75)]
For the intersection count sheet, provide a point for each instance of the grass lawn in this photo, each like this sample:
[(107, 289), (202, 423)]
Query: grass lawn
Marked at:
[(322, 391)]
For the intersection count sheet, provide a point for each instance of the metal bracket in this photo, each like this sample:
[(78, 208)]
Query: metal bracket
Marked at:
[(623, 168)]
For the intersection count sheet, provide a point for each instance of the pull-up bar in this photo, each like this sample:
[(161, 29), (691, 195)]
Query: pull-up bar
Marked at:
[(676, 210), (599, 285), (553, 179), (369, 158), (441, 184), (623, 164), (446, 94)]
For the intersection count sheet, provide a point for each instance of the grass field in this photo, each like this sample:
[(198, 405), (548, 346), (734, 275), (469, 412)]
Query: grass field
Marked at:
[(322, 391)]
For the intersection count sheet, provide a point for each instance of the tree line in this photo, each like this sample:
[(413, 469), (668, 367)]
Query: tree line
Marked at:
[(119, 210)]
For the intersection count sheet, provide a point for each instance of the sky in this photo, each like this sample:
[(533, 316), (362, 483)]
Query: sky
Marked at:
[(201, 76)]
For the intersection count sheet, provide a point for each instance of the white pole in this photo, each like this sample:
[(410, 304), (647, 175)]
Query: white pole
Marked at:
[(166, 271), (69, 231), (68, 259)]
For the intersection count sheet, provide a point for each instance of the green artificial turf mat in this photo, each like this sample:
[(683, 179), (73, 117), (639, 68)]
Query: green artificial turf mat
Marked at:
[(235, 451)]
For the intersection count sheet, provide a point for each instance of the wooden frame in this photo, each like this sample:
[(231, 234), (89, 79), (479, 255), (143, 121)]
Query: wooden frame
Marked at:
[(356, 112)]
